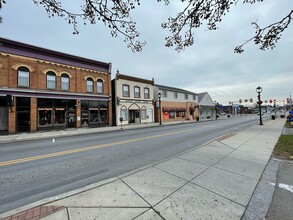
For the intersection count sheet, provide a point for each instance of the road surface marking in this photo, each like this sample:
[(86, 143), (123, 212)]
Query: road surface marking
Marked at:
[(284, 186), (77, 150)]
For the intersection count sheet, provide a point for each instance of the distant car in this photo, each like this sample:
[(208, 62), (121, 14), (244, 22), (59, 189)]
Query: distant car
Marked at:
[(282, 116), (268, 112), (222, 113)]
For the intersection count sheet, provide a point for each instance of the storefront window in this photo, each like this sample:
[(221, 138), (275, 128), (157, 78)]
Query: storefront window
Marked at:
[(45, 116), (180, 114), (172, 115), (94, 115), (104, 116), (60, 116), (84, 118)]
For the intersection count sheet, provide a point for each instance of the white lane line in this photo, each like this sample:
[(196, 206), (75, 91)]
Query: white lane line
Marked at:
[(284, 186)]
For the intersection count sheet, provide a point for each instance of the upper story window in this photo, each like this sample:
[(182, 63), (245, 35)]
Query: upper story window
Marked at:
[(51, 80), (90, 85), (23, 77), (175, 95), (65, 81), (100, 86), (146, 93), (125, 90), (194, 97), (186, 96), (136, 92), (164, 93)]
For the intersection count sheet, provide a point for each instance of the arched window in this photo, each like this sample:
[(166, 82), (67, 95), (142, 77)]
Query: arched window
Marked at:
[(51, 80), (123, 113), (65, 82), (90, 85), (23, 76), (143, 113), (100, 86)]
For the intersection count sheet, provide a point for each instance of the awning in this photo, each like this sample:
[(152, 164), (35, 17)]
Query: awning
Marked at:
[(180, 109), (169, 109), (173, 109)]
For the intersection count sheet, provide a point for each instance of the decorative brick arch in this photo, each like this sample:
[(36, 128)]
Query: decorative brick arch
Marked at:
[(49, 70), (18, 65), (64, 72)]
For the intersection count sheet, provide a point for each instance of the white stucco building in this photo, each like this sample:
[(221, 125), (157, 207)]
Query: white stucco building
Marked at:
[(132, 100)]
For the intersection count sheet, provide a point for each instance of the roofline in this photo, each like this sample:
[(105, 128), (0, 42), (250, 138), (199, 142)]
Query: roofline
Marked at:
[(174, 89), (52, 52), (134, 79)]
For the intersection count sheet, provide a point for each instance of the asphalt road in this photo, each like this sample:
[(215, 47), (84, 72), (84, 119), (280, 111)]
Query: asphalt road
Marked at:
[(34, 170)]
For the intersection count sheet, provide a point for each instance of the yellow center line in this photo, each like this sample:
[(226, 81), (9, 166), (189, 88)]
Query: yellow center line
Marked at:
[(26, 159)]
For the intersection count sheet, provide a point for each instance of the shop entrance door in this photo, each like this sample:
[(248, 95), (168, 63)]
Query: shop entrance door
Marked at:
[(3, 120), (23, 114), (71, 118), (23, 121), (134, 116)]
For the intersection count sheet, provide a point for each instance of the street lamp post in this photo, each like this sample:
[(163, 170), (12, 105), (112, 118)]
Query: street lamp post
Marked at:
[(259, 90), (160, 113), (216, 109)]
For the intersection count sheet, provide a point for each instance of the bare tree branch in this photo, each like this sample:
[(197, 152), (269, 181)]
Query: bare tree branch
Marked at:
[(115, 14), (268, 36)]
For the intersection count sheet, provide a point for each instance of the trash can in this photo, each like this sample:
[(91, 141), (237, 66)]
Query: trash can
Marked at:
[(228, 116), (273, 117)]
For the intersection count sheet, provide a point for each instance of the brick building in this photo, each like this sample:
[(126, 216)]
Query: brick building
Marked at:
[(176, 104), (42, 89)]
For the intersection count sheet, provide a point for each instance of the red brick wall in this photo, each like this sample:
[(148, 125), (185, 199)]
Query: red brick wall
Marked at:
[(8, 78)]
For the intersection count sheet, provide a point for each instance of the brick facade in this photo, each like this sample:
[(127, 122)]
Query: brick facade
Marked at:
[(39, 61)]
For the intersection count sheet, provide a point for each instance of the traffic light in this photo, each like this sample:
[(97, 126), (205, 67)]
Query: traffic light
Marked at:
[(240, 100), (271, 101), (251, 99)]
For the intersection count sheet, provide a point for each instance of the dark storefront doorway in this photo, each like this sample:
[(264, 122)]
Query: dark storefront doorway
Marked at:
[(134, 116), (3, 115), (71, 118), (23, 114)]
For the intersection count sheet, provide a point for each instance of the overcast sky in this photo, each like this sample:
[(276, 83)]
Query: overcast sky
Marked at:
[(208, 66)]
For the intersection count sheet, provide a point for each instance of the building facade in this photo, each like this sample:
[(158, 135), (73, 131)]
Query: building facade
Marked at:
[(42, 89), (132, 100), (176, 104), (207, 107)]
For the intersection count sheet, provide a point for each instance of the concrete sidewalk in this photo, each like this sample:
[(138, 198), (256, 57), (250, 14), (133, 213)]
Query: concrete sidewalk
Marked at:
[(215, 181)]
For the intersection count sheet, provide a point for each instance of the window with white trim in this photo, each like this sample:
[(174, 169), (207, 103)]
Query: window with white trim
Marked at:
[(90, 85), (51, 80), (64, 82), (23, 77), (100, 86)]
